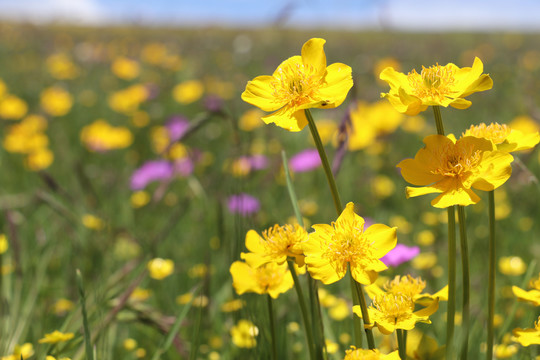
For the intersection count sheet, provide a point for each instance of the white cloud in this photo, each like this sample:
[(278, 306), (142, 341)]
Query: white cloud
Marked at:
[(39, 11)]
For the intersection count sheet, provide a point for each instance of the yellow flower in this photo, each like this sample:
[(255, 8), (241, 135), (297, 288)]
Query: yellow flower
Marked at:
[(4, 245), (345, 243), (527, 337), (56, 337), (12, 107), (276, 244), (244, 334), (40, 159), (92, 222), (408, 286), (270, 278), (504, 137), (436, 85), (396, 311), (23, 351), (140, 294), (512, 265), (129, 344), (340, 310), (371, 120), (188, 92), (125, 68), (61, 67), (533, 295), (250, 120), (505, 351), (56, 101), (139, 199), (127, 101), (160, 268), (100, 136), (299, 83), (364, 354), (62, 306), (233, 305), (453, 168)]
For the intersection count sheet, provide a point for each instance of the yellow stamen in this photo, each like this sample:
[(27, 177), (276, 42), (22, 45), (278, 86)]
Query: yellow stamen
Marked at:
[(296, 84), (394, 307), (433, 83), (457, 162), (494, 132), (284, 240), (405, 285)]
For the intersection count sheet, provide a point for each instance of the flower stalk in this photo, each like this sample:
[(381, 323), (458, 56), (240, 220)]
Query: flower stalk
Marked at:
[(466, 282), (402, 343), (491, 275), (272, 326)]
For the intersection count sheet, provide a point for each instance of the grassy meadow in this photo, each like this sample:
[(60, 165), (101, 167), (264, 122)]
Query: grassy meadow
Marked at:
[(78, 194)]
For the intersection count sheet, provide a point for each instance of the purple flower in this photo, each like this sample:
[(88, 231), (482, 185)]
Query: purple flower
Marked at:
[(258, 162), (213, 103), (177, 127), (400, 254), (183, 167), (306, 160), (243, 204), (151, 171)]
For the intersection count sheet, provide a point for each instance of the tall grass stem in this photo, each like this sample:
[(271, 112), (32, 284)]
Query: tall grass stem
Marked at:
[(491, 275), (86, 327), (272, 317)]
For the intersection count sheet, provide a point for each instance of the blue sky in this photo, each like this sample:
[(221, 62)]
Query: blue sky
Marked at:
[(521, 15)]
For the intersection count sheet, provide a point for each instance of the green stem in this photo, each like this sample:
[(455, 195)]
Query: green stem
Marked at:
[(324, 160), (451, 283), (491, 276), (466, 282), (438, 119), (87, 341), (357, 323), (292, 193), (303, 308), (272, 326), (402, 343), (357, 288)]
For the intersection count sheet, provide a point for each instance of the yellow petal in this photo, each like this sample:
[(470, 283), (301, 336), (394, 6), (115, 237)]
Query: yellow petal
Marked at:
[(416, 172), (260, 93), (254, 242), (413, 192), (338, 83), (428, 310), (287, 118), (455, 196), (460, 103), (382, 238), (313, 54), (244, 279), (494, 170), (394, 78)]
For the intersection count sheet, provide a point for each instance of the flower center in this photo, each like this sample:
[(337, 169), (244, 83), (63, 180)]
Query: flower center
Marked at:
[(296, 84), (269, 275), (458, 162), (394, 307), (405, 285), (284, 240), (494, 132), (433, 83), (347, 245), (362, 354)]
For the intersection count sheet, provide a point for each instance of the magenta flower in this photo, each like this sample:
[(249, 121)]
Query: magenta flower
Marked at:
[(177, 127), (400, 254), (151, 171), (243, 204), (306, 160)]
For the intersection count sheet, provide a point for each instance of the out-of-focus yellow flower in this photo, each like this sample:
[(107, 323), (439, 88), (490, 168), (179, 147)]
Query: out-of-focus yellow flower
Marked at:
[(331, 249), (188, 92), (527, 337), (92, 222), (233, 305), (140, 294), (50, 357), (251, 120), (512, 265), (331, 347), (403, 226), (139, 199), (384, 63), (125, 68), (453, 168), (160, 268), (40, 159), (425, 238), (129, 344), (184, 298), (223, 89), (4, 245), (390, 312), (422, 346), (414, 124), (424, 261), (340, 310), (327, 131), (56, 101), (23, 351), (199, 271), (270, 278), (382, 186), (100, 136), (140, 353), (358, 354), (140, 118), (504, 137), (154, 53), (128, 100), (371, 120), (505, 351), (3, 89), (244, 334), (56, 337), (62, 306), (436, 85), (299, 83), (276, 244), (525, 124), (12, 107), (533, 295), (61, 67), (160, 139)]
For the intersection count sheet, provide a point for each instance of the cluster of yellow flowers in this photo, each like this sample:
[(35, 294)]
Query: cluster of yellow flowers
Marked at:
[(11, 106), (28, 137), (448, 166)]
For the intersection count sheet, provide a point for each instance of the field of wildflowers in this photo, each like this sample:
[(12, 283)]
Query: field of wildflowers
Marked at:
[(268, 194)]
